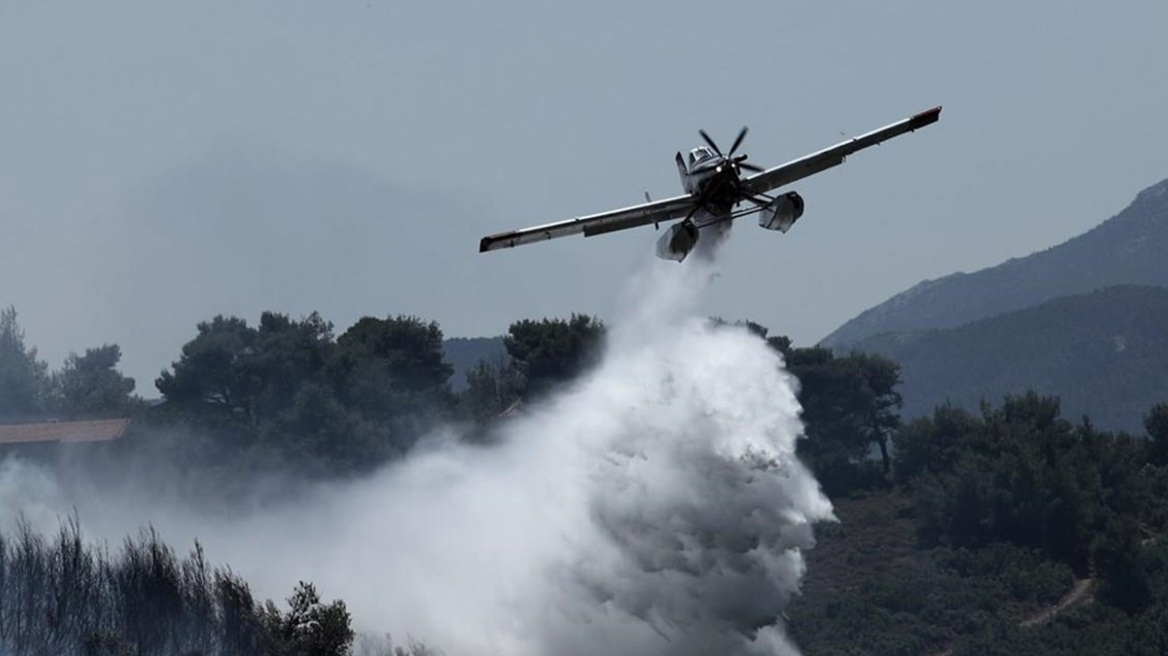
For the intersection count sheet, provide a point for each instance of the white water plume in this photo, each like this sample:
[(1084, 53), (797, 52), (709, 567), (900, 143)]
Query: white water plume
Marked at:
[(655, 507)]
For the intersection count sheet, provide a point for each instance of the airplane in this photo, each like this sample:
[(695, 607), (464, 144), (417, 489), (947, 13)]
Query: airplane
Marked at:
[(714, 189)]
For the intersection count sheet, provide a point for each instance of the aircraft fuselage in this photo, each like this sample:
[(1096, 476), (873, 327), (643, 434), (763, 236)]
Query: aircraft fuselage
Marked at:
[(714, 179)]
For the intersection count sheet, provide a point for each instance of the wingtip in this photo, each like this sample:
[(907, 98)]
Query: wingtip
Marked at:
[(497, 241), (927, 117)]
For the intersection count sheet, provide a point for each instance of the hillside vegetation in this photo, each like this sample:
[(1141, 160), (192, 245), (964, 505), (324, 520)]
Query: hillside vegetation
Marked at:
[(1104, 354), (1006, 531), (64, 597), (962, 530)]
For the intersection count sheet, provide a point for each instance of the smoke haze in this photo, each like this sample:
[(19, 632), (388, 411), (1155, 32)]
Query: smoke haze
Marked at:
[(654, 507)]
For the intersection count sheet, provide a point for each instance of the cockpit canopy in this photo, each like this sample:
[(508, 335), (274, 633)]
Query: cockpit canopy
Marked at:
[(700, 154)]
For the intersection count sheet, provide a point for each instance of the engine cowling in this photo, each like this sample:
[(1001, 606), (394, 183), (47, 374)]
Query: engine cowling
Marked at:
[(782, 213), (677, 241)]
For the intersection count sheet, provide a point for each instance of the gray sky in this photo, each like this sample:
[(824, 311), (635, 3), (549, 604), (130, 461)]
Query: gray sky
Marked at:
[(161, 163)]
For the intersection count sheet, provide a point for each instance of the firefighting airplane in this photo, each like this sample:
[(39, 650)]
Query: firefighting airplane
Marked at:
[(714, 189)]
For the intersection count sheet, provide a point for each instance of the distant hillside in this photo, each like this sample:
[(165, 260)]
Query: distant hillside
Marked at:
[(1104, 353), (464, 353), (1127, 249)]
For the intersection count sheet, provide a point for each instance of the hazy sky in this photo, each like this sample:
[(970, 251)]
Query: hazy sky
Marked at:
[(161, 163)]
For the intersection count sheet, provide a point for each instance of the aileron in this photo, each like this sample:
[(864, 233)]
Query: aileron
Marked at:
[(594, 224), (827, 158)]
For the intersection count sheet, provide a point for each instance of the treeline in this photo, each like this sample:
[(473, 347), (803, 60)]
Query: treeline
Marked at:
[(290, 392), (287, 391), (88, 384), (63, 597), (290, 395), (1020, 473)]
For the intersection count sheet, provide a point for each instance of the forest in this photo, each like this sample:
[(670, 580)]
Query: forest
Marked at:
[(958, 530)]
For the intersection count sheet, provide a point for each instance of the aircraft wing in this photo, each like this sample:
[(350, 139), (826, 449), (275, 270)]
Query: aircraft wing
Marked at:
[(809, 165), (594, 224)]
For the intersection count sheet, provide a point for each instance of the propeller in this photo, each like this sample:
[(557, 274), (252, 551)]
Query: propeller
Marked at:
[(742, 191), (739, 161), (738, 142)]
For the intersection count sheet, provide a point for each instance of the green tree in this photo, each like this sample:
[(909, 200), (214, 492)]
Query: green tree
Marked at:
[(492, 388), (551, 351), (391, 372), (208, 373), (391, 366), (1156, 423), (878, 377), (850, 406), (24, 380), (310, 628), (932, 444), (91, 384), (242, 387), (319, 435), (1116, 559), (285, 356)]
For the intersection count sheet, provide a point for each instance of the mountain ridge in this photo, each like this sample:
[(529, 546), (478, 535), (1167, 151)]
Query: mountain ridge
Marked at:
[(1127, 248), (1104, 353)]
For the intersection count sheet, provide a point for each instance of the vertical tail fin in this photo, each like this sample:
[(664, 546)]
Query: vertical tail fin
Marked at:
[(682, 171)]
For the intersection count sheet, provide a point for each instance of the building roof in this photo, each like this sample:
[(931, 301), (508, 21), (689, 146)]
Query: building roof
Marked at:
[(98, 430)]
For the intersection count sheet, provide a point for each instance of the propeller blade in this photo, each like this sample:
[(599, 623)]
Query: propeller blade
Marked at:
[(738, 140), (710, 141), (751, 167)]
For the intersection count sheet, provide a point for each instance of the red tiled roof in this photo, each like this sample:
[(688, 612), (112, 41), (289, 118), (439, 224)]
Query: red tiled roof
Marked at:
[(99, 430)]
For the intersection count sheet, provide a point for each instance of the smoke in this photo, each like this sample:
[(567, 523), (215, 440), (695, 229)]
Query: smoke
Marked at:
[(655, 507), (29, 494)]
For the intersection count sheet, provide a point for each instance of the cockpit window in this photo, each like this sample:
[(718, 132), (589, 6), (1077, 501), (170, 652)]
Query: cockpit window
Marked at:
[(700, 153)]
